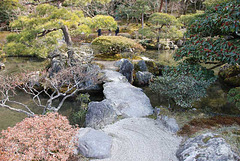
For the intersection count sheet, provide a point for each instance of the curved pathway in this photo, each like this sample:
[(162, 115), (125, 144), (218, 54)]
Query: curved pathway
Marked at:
[(141, 139), (136, 138)]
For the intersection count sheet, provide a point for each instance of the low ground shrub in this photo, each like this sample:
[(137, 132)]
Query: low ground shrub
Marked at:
[(43, 137)]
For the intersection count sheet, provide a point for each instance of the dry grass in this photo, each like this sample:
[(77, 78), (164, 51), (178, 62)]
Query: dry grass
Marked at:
[(199, 124)]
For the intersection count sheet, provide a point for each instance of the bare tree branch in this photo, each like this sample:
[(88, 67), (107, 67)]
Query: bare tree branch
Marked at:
[(61, 85)]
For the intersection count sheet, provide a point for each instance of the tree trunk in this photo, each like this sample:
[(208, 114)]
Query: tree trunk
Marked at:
[(184, 5), (158, 38), (142, 20), (166, 5), (68, 41), (172, 8), (66, 35), (160, 8)]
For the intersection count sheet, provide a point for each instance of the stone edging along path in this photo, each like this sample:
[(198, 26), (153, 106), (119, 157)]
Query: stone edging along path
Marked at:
[(135, 138)]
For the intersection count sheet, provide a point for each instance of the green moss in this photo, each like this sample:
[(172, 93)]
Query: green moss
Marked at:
[(153, 116), (153, 67), (217, 103), (206, 139)]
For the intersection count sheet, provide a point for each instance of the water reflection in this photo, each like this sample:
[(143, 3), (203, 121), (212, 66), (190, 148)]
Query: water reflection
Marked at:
[(164, 57)]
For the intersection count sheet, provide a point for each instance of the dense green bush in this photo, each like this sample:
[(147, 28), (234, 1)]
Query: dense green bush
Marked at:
[(112, 45), (183, 86), (187, 19), (207, 40)]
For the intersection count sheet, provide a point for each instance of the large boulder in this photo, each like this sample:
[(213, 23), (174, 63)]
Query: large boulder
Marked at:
[(143, 78), (126, 69), (93, 143), (206, 147), (230, 74), (130, 101), (100, 114)]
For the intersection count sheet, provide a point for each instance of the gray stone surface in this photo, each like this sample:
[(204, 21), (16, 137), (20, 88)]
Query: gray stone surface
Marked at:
[(2, 66), (179, 43), (93, 143), (206, 147), (169, 123), (100, 114), (126, 69), (142, 66), (141, 139), (143, 78), (133, 102), (56, 66), (113, 76), (118, 63), (34, 78)]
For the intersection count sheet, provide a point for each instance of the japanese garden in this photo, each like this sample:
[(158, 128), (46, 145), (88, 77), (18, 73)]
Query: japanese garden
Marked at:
[(118, 80)]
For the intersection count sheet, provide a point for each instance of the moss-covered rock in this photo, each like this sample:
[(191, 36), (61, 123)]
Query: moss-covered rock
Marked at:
[(154, 67), (112, 45), (230, 74)]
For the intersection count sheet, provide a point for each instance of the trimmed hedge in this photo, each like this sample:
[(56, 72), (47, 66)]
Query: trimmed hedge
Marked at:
[(112, 45)]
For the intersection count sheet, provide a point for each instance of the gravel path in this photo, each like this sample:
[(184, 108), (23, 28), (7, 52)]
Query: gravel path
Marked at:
[(141, 139), (106, 64)]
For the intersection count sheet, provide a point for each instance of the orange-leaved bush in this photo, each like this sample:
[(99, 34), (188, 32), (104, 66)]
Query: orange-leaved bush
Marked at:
[(43, 137)]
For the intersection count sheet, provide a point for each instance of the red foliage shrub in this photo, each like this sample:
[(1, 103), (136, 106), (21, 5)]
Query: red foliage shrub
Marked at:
[(43, 137)]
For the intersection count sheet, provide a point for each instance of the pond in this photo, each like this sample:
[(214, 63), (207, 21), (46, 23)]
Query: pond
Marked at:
[(15, 65)]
